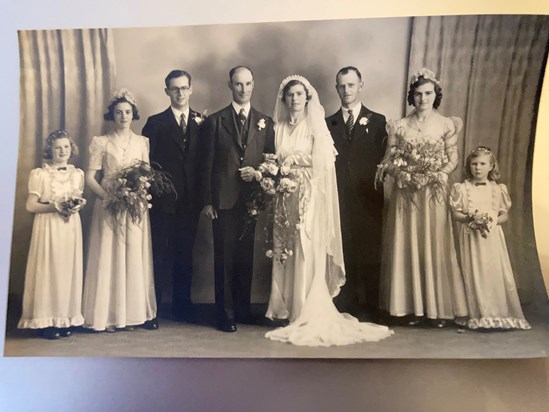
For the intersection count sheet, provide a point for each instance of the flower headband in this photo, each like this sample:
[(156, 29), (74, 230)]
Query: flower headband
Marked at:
[(294, 77), (122, 94), (426, 74), (483, 150)]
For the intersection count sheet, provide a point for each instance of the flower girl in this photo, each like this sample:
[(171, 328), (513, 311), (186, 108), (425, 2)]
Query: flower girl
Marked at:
[(480, 206), (53, 279)]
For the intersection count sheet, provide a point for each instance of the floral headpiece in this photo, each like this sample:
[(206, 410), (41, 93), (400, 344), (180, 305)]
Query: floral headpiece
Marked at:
[(426, 74), (122, 94), (294, 77), (483, 150)]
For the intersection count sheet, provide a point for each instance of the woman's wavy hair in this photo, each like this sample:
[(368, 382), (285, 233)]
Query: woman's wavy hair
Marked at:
[(52, 137), (120, 96), (292, 83), (420, 82)]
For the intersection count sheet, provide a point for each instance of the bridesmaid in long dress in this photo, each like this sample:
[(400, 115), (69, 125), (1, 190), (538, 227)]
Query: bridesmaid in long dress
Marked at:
[(119, 286), (420, 275), (53, 279), (303, 286)]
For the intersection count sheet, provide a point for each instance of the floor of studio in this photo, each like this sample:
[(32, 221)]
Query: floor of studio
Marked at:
[(202, 340)]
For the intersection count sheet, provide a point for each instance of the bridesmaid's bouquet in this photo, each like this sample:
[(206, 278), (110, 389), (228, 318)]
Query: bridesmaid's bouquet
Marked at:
[(414, 166), (129, 190), (479, 222), (68, 205), (275, 183)]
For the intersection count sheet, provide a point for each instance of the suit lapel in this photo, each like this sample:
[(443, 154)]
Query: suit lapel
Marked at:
[(252, 127), (192, 127), (175, 131), (361, 130), (339, 125), (228, 122)]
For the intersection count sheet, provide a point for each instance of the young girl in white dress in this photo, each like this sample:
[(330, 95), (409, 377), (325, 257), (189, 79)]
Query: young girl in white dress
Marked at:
[(489, 282), (53, 279)]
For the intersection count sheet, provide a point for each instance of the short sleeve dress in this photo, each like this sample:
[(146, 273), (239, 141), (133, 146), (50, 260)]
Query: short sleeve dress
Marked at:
[(420, 274), (53, 279), (489, 282), (119, 283)]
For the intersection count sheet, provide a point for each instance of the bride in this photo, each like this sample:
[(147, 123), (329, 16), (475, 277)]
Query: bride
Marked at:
[(306, 280)]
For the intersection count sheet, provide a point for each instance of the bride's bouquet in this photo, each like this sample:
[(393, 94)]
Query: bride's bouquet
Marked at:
[(129, 190), (413, 167), (275, 183)]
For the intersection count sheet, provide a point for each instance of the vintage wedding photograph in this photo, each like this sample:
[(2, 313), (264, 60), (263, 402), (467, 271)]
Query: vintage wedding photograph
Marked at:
[(319, 189)]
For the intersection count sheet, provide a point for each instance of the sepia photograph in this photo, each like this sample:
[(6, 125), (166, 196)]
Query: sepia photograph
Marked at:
[(331, 189)]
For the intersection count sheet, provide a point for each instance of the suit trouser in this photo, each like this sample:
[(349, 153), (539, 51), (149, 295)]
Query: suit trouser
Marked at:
[(173, 238), (361, 226), (233, 261)]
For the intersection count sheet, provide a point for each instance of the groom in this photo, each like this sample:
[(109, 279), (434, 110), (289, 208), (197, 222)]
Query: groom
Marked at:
[(360, 139), (235, 139), (173, 136)]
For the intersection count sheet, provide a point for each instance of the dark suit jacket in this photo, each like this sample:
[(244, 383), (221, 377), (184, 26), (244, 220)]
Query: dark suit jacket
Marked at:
[(357, 161), (166, 142), (224, 154)]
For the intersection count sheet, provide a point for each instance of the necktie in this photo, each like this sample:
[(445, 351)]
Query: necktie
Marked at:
[(349, 125), (183, 124), (242, 118), (480, 184), (183, 127)]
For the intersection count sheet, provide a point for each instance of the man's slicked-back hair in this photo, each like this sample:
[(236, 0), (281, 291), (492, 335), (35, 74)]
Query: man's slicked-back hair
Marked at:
[(237, 68), (347, 69)]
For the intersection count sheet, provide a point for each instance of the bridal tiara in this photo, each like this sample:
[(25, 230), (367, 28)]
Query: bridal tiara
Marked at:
[(122, 94), (294, 77), (426, 74)]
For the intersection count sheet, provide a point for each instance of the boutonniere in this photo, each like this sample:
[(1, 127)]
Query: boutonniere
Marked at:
[(363, 121), (261, 124), (199, 118)]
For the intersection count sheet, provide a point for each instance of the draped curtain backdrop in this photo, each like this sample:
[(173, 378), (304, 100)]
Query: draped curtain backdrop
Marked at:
[(491, 70), (66, 79)]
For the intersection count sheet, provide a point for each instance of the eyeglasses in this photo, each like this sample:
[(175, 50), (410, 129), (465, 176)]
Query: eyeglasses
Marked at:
[(184, 89)]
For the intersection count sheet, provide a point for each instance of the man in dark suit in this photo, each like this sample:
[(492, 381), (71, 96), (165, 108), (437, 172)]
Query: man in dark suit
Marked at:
[(235, 139), (174, 136), (360, 139)]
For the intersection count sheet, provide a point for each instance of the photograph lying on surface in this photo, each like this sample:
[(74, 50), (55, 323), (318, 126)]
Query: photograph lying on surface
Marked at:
[(323, 189)]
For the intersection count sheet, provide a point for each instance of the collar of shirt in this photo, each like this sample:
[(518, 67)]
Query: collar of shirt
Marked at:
[(356, 111), (178, 113), (246, 108)]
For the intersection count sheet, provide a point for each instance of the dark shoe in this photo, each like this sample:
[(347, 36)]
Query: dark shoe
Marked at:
[(226, 325), (276, 323), (438, 323), (65, 332), (248, 319), (130, 328), (110, 329), (50, 333), (151, 324)]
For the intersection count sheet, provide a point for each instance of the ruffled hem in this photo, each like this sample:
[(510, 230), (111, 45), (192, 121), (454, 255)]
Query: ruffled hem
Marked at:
[(119, 325), (498, 323), (42, 323)]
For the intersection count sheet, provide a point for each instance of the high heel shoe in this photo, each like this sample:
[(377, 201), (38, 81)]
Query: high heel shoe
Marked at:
[(50, 333), (65, 332)]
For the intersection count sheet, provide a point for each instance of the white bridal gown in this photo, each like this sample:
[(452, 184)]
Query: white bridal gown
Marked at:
[(302, 288)]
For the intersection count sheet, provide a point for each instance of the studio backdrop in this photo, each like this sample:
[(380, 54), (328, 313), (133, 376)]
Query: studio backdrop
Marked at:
[(491, 69)]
